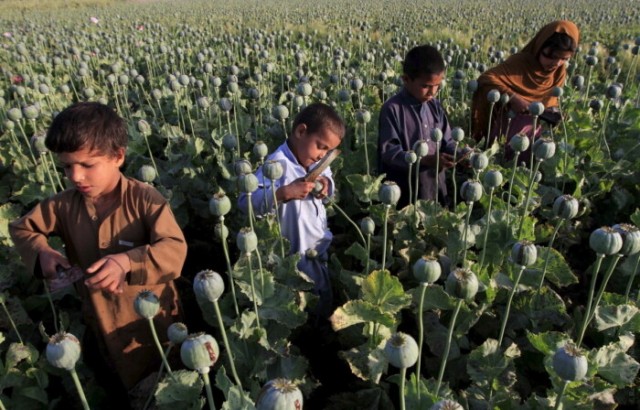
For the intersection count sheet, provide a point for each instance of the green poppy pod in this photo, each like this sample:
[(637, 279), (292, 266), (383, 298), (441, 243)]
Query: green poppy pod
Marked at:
[(248, 183), (596, 104), (436, 135), (260, 149), (146, 304), (272, 170), (570, 363), (566, 207), (367, 225), (208, 285), (143, 127), (504, 99), (221, 232), (591, 60), (156, 94), (31, 112), (363, 116), (557, 92), (401, 350), (614, 91), (247, 240), (216, 82), (630, 238), (462, 284), (203, 102), (38, 144), (605, 241), (410, 157), (471, 190), (123, 79), (446, 405), (279, 394), (304, 89), (199, 352), (219, 204), (472, 86), (280, 112), (88, 93), (253, 93), (14, 114), (356, 84), (421, 148), (225, 104), (43, 89), (493, 96), (524, 253), (544, 148), (519, 142), (63, 351), (479, 161), (8, 124), (457, 134), (389, 193), (229, 141), (177, 333), (427, 270), (536, 108), (147, 173), (492, 179)]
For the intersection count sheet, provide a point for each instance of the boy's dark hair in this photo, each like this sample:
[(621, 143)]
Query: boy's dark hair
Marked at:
[(422, 60), (560, 42), (317, 116), (89, 125)]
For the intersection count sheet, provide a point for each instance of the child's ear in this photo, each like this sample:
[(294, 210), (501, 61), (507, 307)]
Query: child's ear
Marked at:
[(119, 156), (405, 78), (300, 130)]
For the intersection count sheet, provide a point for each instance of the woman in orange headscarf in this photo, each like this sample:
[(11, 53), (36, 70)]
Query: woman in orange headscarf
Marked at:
[(525, 77)]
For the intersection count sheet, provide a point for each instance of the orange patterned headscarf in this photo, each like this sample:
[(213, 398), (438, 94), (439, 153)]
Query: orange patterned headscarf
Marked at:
[(522, 74)]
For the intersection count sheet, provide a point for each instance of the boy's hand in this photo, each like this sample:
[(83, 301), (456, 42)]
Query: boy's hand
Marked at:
[(518, 104), (109, 273), (50, 259), (325, 187), (298, 189), (446, 161)]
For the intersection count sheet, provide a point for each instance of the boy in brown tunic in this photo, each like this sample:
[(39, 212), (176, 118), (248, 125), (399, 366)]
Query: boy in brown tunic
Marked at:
[(120, 232)]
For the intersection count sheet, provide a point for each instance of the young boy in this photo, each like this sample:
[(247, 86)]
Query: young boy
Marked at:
[(120, 232), (317, 129), (410, 116)]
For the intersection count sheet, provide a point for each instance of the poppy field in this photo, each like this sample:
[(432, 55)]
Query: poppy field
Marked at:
[(523, 294)]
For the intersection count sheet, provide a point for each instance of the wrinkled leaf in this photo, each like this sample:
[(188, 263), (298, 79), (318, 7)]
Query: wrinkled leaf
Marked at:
[(365, 363), (359, 311), (615, 365), (236, 398), (183, 393), (614, 316), (385, 291)]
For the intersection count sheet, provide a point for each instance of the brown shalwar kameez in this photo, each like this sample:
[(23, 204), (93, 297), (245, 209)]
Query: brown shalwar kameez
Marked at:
[(140, 224)]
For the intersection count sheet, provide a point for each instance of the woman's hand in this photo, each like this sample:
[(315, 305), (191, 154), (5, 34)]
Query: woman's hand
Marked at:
[(518, 104)]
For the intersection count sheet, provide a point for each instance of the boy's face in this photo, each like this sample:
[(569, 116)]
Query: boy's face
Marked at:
[(424, 87), (309, 148), (92, 173)]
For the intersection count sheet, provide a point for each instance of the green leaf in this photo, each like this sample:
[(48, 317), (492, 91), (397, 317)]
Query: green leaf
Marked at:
[(558, 271), (544, 308), (635, 217), (435, 297), (365, 363), (359, 311), (365, 187), (236, 398), (546, 342), (422, 401), (489, 365), (31, 193), (385, 291), (614, 316), (615, 365), (8, 213), (35, 393), (283, 308), (360, 253), (182, 394)]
